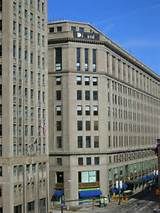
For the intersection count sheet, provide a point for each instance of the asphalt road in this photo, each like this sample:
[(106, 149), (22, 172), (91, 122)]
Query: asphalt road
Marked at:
[(144, 202)]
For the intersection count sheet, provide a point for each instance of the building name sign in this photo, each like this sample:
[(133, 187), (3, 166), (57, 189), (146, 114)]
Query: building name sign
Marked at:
[(86, 35)]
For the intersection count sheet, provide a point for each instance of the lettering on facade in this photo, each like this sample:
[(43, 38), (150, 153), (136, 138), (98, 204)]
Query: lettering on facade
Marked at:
[(86, 35)]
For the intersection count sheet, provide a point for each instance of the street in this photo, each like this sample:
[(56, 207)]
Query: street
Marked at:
[(144, 202)]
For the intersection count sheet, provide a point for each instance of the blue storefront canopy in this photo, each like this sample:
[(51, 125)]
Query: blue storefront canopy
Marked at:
[(90, 193), (58, 193)]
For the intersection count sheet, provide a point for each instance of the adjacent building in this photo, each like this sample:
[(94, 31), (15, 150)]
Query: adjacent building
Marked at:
[(104, 114), (23, 106)]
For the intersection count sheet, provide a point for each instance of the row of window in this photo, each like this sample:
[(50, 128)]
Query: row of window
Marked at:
[(87, 80), (80, 125), (82, 142), (88, 161), (87, 95), (59, 59)]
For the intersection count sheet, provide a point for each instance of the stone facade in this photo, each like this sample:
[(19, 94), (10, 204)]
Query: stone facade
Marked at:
[(23, 103), (104, 112)]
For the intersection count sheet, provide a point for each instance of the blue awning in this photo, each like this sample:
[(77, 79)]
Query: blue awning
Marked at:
[(58, 193), (90, 193)]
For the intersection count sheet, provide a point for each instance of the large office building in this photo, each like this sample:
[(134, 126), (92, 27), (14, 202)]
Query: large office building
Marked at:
[(104, 114), (23, 106)]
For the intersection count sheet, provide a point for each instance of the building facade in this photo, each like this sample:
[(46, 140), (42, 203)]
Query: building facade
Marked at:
[(104, 114), (23, 106)]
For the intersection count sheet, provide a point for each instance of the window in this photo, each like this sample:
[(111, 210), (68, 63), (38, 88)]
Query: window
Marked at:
[(86, 58), (60, 177), (95, 81), (59, 161), (95, 125), (51, 29), (59, 29), (88, 141), (88, 176), (0, 129), (58, 95), (95, 95), (79, 80), (87, 110), (96, 141), (80, 161), (79, 125), (78, 60), (79, 110), (0, 170), (87, 80), (88, 160), (30, 206), (59, 142), (94, 59), (58, 80), (96, 160), (58, 58), (87, 95), (88, 125), (0, 109), (95, 110), (58, 110), (79, 95), (0, 149), (59, 125), (1, 25), (18, 209), (0, 69), (80, 141), (0, 5), (73, 28), (81, 29)]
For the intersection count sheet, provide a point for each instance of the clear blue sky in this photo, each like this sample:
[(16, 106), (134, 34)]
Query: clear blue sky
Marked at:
[(133, 24)]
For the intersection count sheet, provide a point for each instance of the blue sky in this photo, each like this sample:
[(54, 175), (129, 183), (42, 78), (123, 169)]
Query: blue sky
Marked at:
[(134, 25)]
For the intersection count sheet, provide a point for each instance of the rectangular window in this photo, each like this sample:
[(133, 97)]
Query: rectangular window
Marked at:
[(80, 141), (94, 59), (58, 80), (88, 141), (80, 161), (59, 142), (30, 206), (58, 58), (79, 80), (95, 81), (95, 110), (59, 29), (96, 160), (79, 125), (0, 129), (87, 110), (59, 161), (0, 109), (79, 95), (96, 141), (58, 95), (0, 69), (59, 125), (79, 110), (88, 125), (87, 95), (88, 161), (95, 125), (87, 80), (78, 60), (0, 149), (95, 95), (1, 171), (58, 110), (86, 58), (0, 5)]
